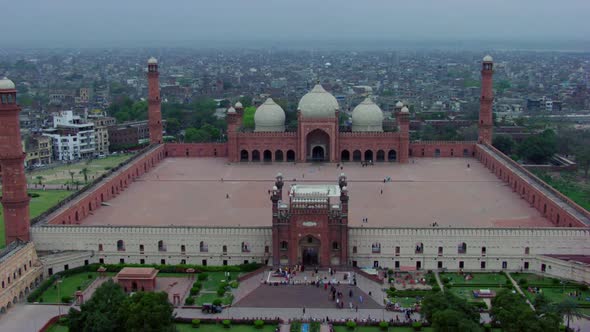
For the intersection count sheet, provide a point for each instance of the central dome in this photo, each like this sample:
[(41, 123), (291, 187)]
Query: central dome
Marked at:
[(6, 84), (367, 116), (318, 103), (269, 117)]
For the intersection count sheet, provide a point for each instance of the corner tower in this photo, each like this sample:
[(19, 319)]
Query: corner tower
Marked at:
[(154, 102), (486, 121), (14, 183)]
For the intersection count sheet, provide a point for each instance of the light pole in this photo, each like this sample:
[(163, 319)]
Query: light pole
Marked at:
[(58, 297)]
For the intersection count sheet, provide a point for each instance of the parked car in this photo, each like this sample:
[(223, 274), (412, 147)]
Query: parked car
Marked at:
[(211, 309)]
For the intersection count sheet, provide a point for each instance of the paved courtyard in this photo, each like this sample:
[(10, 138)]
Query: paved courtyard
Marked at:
[(426, 190)]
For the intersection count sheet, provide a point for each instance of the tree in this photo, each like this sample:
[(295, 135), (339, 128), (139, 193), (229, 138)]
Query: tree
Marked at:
[(211, 131), (538, 148), (193, 135), (450, 320), (40, 179), (147, 312), (172, 126), (248, 117), (77, 184), (457, 311), (246, 101), (569, 309), (583, 158), (503, 143), (101, 313), (85, 171), (72, 173), (513, 314)]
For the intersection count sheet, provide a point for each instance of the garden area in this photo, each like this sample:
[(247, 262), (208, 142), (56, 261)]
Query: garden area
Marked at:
[(464, 285), (182, 327), (76, 174), (41, 201), (553, 289), (214, 288)]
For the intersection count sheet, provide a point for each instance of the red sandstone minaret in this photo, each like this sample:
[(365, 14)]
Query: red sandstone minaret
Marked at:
[(403, 120), (154, 102), (485, 104), (14, 183)]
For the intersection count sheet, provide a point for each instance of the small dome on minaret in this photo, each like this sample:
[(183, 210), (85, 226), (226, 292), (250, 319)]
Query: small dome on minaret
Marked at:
[(405, 110), (231, 110), (488, 58), (152, 61), (238, 105), (6, 84), (399, 104)]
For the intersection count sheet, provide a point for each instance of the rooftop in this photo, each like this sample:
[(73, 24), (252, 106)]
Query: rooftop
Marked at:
[(212, 192)]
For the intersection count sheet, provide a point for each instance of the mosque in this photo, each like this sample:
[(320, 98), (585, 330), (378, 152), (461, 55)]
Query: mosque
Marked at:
[(282, 197)]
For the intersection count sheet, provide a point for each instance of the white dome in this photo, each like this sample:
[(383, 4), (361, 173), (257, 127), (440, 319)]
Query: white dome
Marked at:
[(269, 117), (238, 105), (399, 104), (488, 58), (231, 110), (6, 84), (367, 116), (405, 110), (152, 61), (318, 103)]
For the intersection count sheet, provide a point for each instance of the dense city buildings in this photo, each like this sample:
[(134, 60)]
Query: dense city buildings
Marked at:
[(72, 138)]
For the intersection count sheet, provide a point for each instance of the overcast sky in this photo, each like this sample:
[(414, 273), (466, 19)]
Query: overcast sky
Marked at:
[(68, 22)]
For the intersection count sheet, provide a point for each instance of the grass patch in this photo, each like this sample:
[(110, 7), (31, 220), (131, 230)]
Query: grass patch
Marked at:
[(406, 302), (559, 294), (58, 328), (38, 205), (220, 328), (215, 278), (61, 174), (377, 329), (467, 292), (567, 185), (68, 287), (492, 279)]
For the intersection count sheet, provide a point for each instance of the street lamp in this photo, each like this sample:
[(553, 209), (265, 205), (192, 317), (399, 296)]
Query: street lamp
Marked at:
[(58, 296)]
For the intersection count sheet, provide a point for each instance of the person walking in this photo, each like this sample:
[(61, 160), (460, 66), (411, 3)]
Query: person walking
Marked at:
[(303, 311)]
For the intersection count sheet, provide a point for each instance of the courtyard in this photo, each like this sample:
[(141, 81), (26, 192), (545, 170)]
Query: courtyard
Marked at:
[(458, 195)]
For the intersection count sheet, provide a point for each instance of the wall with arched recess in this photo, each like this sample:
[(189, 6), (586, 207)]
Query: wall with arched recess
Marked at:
[(89, 200), (262, 141), (373, 142), (446, 149), (556, 207), (196, 150)]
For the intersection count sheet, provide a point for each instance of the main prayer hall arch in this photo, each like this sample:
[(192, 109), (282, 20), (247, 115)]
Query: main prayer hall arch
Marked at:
[(318, 146)]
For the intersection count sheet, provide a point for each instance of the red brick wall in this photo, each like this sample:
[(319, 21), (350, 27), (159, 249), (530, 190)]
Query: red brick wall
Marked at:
[(445, 149), (196, 150), (536, 198), (78, 209)]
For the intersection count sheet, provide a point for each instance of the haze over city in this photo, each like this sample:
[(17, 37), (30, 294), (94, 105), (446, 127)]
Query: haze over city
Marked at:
[(376, 24)]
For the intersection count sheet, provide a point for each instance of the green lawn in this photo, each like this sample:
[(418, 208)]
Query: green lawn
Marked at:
[(212, 283), (405, 302), (58, 328), (68, 287), (220, 328), (534, 279), (559, 294), (467, 292), (38, 205), (491, 279), (61, 174), (377, 329), (210, 297)]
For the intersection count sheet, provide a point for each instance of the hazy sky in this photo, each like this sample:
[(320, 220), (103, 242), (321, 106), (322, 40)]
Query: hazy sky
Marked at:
[(98, 21)]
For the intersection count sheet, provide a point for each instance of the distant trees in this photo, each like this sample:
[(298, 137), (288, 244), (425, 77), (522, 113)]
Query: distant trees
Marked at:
[(128, 110), (538, 148), (504, 143), (248, 118)]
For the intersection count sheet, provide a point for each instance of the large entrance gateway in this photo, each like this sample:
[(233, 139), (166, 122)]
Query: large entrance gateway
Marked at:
[(310, 251), (318, 146)]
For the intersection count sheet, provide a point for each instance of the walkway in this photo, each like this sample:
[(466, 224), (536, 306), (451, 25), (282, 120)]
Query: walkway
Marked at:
[(440, 284), (517, 287)]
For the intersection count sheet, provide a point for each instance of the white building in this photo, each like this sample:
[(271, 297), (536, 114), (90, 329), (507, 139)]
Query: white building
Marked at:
[(72, 138)]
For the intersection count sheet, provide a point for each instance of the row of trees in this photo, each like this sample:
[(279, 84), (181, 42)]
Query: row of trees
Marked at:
[(111, 310), (447, 313), (541, 147)]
